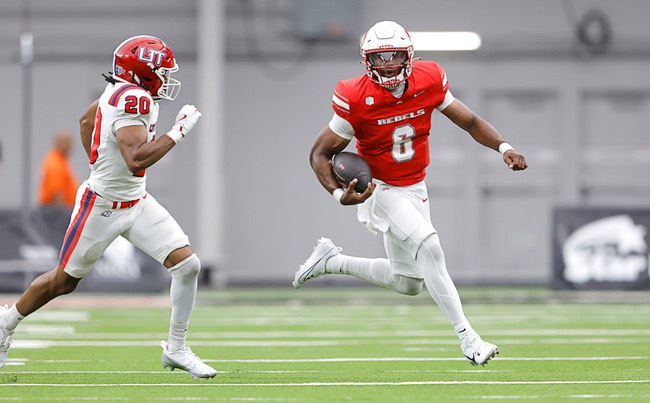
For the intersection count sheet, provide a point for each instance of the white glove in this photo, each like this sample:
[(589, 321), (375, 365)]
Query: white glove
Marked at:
[(185, 121)]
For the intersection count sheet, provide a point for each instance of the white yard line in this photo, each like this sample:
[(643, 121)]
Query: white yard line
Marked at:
[(69, 333), (35, 344), (532, 397), (366, 359), (157, 399), (408, 359), (413, 383), (52, 315)]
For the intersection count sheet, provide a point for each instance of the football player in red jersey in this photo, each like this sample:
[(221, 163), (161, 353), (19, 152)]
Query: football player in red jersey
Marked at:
[(119, 136), (388, 110)]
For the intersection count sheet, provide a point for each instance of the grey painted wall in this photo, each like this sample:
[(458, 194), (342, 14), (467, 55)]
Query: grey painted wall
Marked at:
[(582, 121)]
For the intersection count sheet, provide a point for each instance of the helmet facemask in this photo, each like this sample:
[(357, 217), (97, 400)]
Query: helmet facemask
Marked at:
[(389, 68), (170, 86)]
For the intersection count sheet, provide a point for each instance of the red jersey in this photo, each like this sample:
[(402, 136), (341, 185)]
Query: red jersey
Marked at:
[(393, 133)]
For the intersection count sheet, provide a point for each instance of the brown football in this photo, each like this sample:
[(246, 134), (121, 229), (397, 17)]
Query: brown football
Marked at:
[(348, 166)]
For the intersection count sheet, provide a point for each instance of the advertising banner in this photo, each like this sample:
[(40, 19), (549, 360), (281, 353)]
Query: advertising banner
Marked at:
[(601, 248), (29, 246)]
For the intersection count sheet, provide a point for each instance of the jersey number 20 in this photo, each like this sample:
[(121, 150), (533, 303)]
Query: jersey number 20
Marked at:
[(139, 105)]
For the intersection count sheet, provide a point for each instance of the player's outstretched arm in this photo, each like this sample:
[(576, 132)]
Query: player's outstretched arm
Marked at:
[(326, 145), (86, 126), (484, 133)]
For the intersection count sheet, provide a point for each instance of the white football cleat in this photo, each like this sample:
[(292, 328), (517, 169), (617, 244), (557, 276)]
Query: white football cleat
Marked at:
[(5, 338), (477, 351), (186, 360), (314, 266)]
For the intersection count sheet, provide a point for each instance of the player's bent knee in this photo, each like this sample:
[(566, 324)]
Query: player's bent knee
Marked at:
[(60, 282), (66, 288), (407, 285), (189, 267)]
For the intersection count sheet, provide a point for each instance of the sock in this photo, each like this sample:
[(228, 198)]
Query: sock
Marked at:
[(177, 335), (11, 319), (375, 271), (431, 261), (183, 295)]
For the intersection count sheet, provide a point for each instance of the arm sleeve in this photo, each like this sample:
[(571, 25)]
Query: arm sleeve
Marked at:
[(119, 123), (449, 98), (341, 127)]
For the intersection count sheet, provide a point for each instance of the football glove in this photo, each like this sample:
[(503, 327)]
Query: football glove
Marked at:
[(185, 121)]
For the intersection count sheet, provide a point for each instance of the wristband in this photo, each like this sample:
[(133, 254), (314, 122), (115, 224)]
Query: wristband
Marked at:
[(337, 194), (175, 135), (503, 147)]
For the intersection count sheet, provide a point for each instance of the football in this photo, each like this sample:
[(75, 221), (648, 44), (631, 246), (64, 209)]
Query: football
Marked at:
[(348, 166)]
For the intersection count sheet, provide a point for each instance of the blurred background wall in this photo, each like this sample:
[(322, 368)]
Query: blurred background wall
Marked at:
[(567, 82)]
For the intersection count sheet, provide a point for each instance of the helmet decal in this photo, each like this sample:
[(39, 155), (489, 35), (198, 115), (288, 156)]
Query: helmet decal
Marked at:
[(154, 56)]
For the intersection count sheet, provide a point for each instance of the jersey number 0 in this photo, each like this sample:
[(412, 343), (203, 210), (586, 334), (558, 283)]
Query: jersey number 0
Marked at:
[(403, 143)]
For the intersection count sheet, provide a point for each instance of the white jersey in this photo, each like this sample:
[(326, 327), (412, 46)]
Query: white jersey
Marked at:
[(120, 105)]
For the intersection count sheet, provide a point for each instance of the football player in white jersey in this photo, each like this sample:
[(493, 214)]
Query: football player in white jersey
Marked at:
[(118, 133)]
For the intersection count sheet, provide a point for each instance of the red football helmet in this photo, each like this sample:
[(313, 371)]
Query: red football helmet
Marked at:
[(148, 62), (387, 52)]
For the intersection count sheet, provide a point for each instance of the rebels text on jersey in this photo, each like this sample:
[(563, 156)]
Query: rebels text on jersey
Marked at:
[(120, 105), (392, 133)]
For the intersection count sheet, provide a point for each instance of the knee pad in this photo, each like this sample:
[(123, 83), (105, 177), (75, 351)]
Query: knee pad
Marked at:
[(407, 285), (189, 267)]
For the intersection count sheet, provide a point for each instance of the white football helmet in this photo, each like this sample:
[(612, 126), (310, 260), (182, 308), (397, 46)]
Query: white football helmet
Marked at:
[(387, 51)]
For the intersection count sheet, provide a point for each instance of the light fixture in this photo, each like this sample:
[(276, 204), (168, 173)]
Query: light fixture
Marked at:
[(451, 41)]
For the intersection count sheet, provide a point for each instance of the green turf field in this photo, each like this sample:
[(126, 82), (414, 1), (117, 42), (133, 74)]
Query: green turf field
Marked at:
[(320, 345)]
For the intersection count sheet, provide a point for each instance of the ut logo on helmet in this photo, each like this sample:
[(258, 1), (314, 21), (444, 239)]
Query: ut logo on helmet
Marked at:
[(154, 56)]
